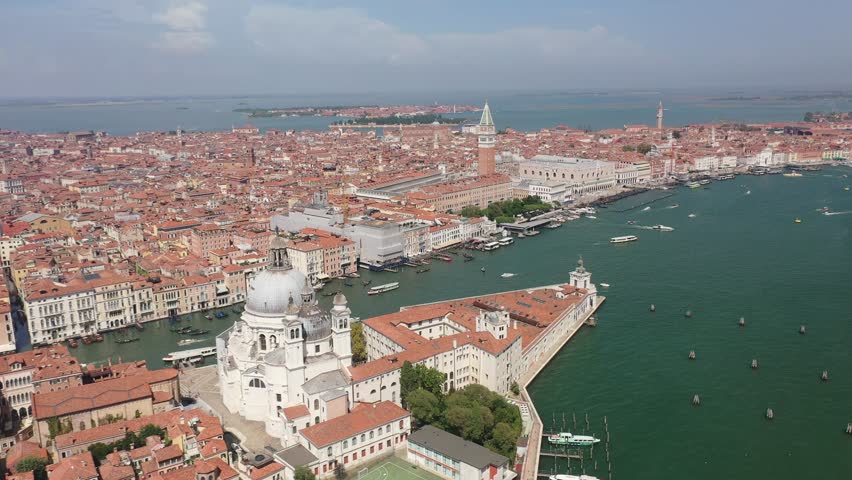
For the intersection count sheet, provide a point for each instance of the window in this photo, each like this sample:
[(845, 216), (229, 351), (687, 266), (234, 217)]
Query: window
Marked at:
[(328, 452), (346, 444), (372, 449), (316, 348), (316, 420), (316, 404), (262, 341), (371, 434), (278, 397), (257, 383)]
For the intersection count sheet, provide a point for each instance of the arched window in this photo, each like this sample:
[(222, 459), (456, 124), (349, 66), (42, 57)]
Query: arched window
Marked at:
[(257, 383), (316, 404), (373, 391), (316, 420), (262, 341), (273, 341), (328, 451), (346, 444)]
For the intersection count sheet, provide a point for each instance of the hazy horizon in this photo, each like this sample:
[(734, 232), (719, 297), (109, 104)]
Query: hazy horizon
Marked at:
[(166, 48)]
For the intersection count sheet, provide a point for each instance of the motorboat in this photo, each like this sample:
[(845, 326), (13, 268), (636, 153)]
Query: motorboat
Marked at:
[(624, 239), (663, 228), (692, 215), (592, 217), (605, 285), (798, 220), (188, 341), (793, 174), (383, 288), (646, 209), (507, 275)]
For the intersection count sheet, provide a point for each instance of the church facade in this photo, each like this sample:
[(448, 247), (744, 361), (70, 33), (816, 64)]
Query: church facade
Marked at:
[(284, 361)]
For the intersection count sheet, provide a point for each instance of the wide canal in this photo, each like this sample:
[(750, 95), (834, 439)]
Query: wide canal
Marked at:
[(741, 255)]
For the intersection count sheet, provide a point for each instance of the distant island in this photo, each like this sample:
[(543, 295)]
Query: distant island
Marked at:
[(402, 120), (734, 99), (823, 117), (374, 112)]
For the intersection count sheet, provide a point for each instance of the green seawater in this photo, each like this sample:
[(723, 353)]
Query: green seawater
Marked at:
[(742, 255)]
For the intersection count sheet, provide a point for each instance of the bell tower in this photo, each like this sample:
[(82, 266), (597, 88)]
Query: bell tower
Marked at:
[(487, 143), (341, 330), (580, 278)]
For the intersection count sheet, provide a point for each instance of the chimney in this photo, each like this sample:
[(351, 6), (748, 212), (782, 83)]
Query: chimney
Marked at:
[(515, 324), (455, 344)]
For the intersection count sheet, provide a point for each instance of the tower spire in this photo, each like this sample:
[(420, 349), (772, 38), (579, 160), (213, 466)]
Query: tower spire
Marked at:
[(487, 143), (660, 116)]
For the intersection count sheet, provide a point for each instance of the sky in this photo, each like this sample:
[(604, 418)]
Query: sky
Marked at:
[(86, 48)]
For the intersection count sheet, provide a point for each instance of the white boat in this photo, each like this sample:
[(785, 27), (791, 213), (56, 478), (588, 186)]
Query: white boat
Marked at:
[(532, 233), (605, 285), (592, 217), (383, 288), (692, 215), (491, 246), (646, 209), (624, 239), (190, 354), (506, 241), (793, 174), (693, 185), (188, 341), (663, 228), (562, 476), (507, 275), (748, 192)]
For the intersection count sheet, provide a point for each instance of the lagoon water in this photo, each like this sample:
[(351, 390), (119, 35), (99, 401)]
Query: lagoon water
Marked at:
[(742, 255), (519, 110)]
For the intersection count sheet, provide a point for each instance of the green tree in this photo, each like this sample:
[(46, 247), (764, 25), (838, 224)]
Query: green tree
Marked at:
[(644, 148), (100, 451), (359, 345), (515, 388), (33, 464), (304, 473), (424, 406), (412, 377), (150, 430), (471, 211), (676, 134), (628, 148), (503, 440), (339, 472), (809, 116)]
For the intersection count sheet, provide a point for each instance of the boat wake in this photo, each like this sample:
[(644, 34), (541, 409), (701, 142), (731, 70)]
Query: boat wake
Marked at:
[(837, 213)]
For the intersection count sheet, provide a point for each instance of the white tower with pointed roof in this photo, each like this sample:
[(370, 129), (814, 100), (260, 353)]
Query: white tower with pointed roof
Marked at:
[(487, 143)]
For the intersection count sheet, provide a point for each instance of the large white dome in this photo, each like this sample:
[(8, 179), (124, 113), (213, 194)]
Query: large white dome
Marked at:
[(271, 290)]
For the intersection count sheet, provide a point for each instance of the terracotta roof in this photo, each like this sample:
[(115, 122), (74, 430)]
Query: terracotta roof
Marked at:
[(265, 471), (77, 467), (90, 397), (20, 450), (359, 420), (189, 472), (296, 411)]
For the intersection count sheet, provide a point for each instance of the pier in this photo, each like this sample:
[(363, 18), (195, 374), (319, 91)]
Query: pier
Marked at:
[(531, 461)]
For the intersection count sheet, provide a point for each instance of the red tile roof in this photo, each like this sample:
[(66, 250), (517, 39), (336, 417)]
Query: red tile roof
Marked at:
[(359, 420)]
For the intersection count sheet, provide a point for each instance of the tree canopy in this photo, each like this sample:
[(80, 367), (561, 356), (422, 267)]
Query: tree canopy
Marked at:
[(505, 211), (304, 473), (413, 377), (359, 345), (37, 465), (474, 413), (101, 450)]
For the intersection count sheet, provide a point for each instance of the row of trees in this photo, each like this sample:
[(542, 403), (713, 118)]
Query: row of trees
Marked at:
[(474, 413), (505, 211), (642, 148)]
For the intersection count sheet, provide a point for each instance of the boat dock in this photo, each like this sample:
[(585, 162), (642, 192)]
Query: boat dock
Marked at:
[(531, 461)]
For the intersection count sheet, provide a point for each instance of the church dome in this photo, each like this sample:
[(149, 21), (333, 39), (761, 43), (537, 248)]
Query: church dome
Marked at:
[(271, 291)]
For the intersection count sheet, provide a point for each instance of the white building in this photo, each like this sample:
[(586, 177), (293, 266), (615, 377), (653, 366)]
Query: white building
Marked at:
[(453, 457), (285, 354), (587, 179)]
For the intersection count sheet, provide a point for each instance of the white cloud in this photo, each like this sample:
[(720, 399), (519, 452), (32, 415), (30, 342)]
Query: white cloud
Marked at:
[(187, 22), (188, 16), (185, 42), (351, 42)]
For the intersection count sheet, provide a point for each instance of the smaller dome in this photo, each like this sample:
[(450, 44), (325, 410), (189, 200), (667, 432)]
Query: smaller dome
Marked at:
[(339, 299), (278, 242)]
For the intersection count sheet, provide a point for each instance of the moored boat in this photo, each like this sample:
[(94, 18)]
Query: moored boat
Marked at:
[(663, 228), (565, 438)]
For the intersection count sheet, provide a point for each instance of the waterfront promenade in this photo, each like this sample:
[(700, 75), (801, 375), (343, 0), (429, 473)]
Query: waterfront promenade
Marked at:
[(530, 466)]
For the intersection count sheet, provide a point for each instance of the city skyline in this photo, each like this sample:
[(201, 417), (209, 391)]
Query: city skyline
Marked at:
[(207, 47)]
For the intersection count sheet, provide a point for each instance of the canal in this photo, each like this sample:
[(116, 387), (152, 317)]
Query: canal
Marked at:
[(741, 255)]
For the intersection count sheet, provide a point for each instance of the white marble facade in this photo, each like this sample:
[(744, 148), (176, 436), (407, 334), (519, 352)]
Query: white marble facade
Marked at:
[(285, 351)]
